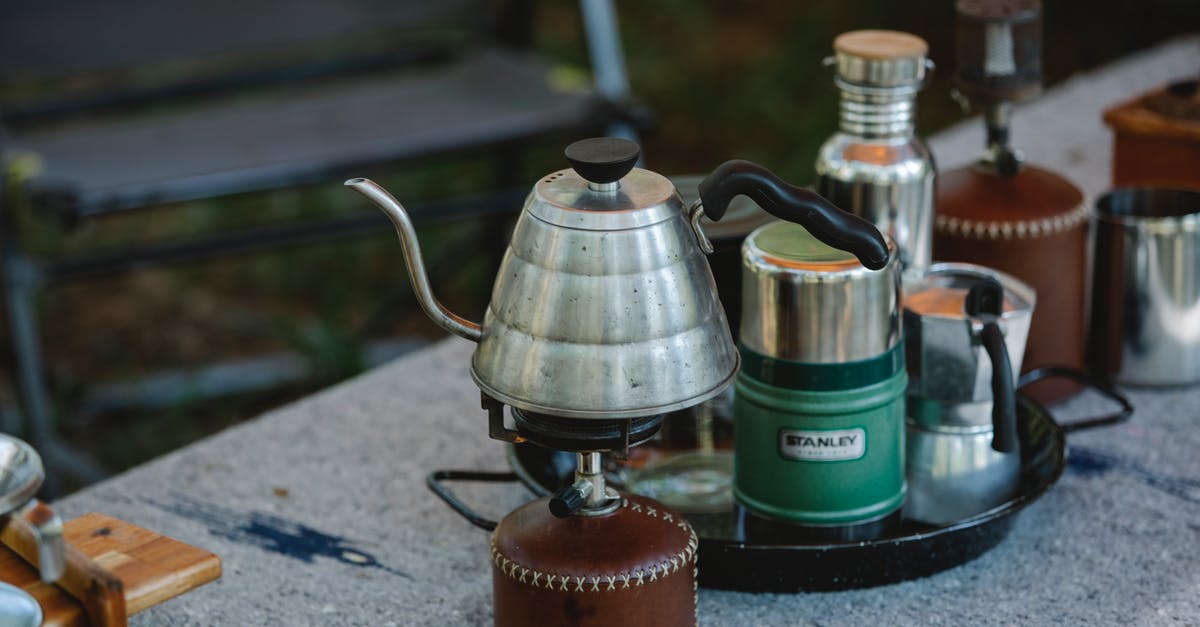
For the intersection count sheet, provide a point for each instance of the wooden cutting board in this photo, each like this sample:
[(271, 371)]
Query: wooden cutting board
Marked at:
[(126, 570)]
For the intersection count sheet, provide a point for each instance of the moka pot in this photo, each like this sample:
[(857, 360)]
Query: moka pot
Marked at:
[(965, 330)]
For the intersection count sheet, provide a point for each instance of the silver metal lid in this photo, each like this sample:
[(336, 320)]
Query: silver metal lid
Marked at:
[(805, 301), (880, 58), (639, 199)]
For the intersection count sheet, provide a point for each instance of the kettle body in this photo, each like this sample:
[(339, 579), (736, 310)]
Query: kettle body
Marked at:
[(610, 295)]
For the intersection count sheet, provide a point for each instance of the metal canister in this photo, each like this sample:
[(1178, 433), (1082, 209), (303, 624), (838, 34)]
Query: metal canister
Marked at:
[(876, 166), (819, 403)]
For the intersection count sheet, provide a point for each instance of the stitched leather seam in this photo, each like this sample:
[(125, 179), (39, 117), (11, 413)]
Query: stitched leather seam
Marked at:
[(606, 582), (1009, 230)]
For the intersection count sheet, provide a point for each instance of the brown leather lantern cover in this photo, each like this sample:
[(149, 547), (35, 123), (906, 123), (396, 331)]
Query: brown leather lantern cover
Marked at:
[(1032, 225), (634, 566)]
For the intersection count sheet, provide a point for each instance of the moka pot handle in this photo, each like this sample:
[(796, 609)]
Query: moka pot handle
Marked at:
[(985, 302)]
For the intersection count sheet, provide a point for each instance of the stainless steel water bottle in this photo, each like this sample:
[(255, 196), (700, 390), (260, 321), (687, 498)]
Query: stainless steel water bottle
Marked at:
[(876, 166), (819, 403)]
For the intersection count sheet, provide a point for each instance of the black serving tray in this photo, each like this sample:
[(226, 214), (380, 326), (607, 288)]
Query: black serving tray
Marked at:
[(915, 550), (729, 562)]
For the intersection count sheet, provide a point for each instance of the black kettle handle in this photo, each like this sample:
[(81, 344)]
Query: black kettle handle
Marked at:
[(435, 481), (837, 228), (1050, 372)]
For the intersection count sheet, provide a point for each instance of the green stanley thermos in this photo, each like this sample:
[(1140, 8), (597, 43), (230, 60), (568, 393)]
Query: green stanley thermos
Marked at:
[(819, 402)]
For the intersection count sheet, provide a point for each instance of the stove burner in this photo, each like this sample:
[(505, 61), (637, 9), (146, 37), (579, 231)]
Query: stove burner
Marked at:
[(584, 434)]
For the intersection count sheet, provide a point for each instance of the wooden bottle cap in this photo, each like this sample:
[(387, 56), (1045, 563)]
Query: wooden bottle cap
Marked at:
[(880, 58), (880, 44)]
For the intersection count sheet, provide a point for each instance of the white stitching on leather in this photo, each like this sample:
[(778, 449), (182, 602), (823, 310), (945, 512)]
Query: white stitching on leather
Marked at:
[(639, 577), (972, 229)]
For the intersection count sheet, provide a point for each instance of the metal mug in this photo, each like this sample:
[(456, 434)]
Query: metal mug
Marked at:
[(1145, 327)]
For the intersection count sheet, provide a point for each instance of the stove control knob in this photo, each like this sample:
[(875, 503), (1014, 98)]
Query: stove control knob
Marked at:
[(570, 499)]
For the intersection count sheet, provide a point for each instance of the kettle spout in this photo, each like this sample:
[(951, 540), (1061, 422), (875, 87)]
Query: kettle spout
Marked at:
[(445, 318)]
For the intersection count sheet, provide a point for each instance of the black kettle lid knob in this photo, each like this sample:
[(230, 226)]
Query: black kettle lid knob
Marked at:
[(603, 159)]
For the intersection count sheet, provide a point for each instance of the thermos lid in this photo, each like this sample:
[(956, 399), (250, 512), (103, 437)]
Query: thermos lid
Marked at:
[(880, 58), (805, 301), (791, 246)]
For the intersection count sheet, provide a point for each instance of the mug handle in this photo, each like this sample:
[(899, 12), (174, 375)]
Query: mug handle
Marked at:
[(435, 480), (1064, 372)]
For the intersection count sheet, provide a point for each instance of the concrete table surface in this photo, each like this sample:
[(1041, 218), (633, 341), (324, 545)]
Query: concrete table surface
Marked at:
[(321, 516)]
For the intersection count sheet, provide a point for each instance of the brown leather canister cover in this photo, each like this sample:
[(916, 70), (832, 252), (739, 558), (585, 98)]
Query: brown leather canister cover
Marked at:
[(1034, 227), (1156, 138), (635, 566)]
